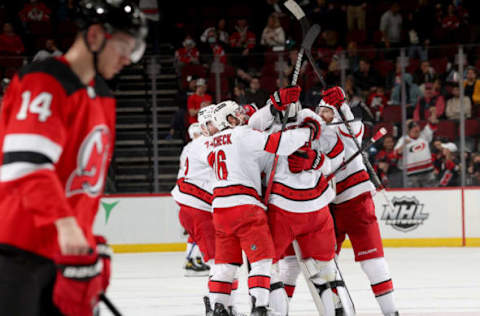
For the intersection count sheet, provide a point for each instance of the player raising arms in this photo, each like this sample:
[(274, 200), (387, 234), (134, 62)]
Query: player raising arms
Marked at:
[(240, 155), (57, 132), (353, 209), (300, 194)]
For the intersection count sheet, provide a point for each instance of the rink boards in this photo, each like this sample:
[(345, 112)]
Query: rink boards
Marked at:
[(416, 218)]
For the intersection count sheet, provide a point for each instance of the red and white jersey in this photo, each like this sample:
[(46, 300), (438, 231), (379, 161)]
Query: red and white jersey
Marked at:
[(195, 176), (419, 157), (353, 179), (306, 191), (56, 138), (241, 154)]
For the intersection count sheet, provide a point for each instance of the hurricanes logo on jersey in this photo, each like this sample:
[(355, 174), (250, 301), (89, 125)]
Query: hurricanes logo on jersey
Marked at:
[(92, 159), (407, 214)]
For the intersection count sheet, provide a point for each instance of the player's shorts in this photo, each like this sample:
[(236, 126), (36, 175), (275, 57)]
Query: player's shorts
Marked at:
[(242, 227), (314, 232), (356, 218), (199, 225)]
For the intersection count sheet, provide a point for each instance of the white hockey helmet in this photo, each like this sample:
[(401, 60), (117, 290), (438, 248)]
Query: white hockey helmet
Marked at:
[(222, 112), (194, 130), (204, 116)]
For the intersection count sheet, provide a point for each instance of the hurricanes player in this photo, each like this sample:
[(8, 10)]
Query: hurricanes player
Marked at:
[(57, 132), (300, 194), (240, 155), (353, 209)]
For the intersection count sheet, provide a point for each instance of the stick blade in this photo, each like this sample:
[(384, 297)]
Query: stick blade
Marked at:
[(310, 37)]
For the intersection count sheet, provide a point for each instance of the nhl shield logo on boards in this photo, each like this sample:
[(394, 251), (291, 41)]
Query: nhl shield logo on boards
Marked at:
[(406, 215), (89, 175)]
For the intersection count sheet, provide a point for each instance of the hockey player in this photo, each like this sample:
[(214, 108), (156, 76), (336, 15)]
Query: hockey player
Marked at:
[(240, 155), (300, 194), (353, 209), (57, 132), (194, 265)]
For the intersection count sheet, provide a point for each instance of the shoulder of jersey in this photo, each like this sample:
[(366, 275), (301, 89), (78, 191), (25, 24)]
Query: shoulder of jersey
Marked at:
[(64, 76)]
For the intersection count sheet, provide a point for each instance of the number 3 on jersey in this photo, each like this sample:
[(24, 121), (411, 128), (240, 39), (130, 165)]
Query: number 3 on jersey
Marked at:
[(40, 105), (220, 166)]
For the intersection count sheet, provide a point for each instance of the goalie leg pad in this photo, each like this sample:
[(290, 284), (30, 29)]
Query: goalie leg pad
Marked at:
[(322, 273), (289, 271)]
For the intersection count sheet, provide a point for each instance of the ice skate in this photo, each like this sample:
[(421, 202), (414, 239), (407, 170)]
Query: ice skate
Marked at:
[(192, 270)]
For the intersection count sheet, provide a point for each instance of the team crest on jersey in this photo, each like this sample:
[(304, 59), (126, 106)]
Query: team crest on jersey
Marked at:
[(407, 214), (89, 175), (417, 148)]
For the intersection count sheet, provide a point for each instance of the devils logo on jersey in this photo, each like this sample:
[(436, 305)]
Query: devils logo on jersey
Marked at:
[(92, 158)]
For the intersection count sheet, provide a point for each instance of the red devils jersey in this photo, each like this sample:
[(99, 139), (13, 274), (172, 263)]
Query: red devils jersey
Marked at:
[(56, 138)]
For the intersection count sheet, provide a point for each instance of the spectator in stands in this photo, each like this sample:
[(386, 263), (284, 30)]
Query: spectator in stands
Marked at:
[(3, 88), (239, 94), (417, 43), (35, 11), (352, 56), (425, 73), (313, 96), (472, 86), (428, 103), (220, 31), (451, 24), (65, 10), (212, 50), (333, 75), (474, 169), (10, 42), (418, 155), (351, 90), (50, 50), (356, 12), (391, 26), (413, 93), (447, 166), (452, 110), (242, 44), (376, 102), (273, 34), (292, 61), (255, 94), (366, 78), (188, 54), (387, 163), (197, 100), (178, 124)]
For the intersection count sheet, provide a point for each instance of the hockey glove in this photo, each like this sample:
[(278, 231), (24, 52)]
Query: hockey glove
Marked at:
[(314, 126), (283, 97), (78, 284), (105, 252), (334, 96), (305, 159)]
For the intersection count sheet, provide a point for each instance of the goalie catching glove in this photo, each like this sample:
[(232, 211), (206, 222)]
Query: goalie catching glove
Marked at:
[(304, 159), (78, 284), (283, 97)]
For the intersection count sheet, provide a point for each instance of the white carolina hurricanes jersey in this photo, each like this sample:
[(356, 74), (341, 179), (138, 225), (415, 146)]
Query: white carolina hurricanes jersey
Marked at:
[(419, 157), (306, 191), (194, 180), (241, 154), (353, 179)]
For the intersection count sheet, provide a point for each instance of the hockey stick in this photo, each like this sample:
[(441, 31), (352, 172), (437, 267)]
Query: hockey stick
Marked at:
[(109, 304), (379, 134), (340, 123)]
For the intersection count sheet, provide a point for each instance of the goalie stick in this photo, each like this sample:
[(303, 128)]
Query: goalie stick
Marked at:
[(110, 305)]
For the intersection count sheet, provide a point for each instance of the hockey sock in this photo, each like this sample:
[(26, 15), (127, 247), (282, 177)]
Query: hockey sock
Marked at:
[(259, 281), (278, 296), (289, 271), (220, 284), (382, 286)]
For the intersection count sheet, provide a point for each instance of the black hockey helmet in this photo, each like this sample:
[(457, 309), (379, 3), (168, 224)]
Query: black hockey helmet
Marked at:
[(115, 15)]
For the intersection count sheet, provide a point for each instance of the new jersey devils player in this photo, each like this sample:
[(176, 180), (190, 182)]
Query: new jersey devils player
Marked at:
[(57, 130), (353, 209)]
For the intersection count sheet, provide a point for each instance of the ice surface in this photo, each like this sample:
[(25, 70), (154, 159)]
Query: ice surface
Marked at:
[(427, 281)]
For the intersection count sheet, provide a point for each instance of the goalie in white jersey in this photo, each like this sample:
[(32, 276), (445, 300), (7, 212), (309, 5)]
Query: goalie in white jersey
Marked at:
[(353, 209), (241, 154), (300, 194)]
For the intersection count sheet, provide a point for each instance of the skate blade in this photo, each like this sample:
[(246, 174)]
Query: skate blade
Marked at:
[(196, 273)]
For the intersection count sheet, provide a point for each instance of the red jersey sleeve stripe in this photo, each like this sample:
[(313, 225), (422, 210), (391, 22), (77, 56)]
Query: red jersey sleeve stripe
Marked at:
[(348, 135), (273, 142), (193, 190), (337, 149), (352, 180)]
